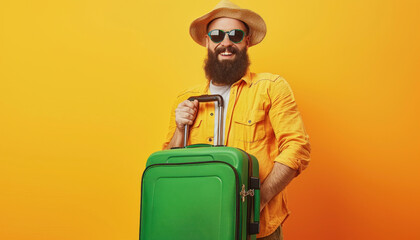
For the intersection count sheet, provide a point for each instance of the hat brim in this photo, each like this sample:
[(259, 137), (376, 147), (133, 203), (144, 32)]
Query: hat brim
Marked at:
[(257, 27)]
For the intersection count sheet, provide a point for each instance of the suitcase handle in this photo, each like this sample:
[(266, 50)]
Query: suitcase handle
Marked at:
[(257, 208), (209, 98), (254, 227)]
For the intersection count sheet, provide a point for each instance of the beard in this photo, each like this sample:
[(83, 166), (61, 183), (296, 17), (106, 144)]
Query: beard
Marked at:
[(226, 72)]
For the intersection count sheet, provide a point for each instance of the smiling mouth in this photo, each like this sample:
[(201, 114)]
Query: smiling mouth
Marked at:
[(226, 53)]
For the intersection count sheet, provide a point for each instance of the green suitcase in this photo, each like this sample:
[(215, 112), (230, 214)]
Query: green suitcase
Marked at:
[(200, 192)]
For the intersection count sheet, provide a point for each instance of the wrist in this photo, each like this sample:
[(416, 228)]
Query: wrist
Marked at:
[(179, 136), (177, 139), (179, 131)]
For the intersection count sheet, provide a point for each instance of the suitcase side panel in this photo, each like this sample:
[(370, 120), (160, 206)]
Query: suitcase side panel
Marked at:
[(255, 216)]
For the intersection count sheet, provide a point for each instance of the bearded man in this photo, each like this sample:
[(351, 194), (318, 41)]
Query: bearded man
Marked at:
[(261, 115)]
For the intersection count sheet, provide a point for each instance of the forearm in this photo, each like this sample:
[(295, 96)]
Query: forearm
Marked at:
[(177, 139), (279, 177)]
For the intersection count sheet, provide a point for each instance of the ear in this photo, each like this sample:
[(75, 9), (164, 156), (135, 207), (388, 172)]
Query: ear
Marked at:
[(207, 41), (247, 41)]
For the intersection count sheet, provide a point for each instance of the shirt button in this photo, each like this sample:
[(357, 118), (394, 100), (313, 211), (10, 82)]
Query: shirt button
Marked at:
[(211, 114), (210, 139), (249, 121)]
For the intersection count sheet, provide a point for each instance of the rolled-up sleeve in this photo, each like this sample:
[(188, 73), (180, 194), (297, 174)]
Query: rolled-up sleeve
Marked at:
[(290, 133)]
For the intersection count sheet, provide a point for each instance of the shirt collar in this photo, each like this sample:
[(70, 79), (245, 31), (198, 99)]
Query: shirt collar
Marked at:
[(247, 77)]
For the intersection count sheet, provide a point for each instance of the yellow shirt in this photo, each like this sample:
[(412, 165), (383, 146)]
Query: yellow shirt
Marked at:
[(262, 119)]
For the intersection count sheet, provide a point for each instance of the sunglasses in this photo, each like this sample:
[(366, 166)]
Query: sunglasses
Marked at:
[(235, 35)]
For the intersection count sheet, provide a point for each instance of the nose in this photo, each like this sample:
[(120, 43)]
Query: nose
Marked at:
[(226, 41)]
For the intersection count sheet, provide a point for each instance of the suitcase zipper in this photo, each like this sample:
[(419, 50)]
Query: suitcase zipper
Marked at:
[(191, 163)]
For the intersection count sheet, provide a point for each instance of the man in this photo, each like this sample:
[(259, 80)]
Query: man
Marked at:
[(261, 116)]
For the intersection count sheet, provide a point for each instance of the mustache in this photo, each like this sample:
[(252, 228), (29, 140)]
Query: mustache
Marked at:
[(223, 49)]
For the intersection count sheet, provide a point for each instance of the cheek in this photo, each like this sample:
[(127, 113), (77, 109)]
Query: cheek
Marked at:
[(212, 45), (211, 48), (241, 46)]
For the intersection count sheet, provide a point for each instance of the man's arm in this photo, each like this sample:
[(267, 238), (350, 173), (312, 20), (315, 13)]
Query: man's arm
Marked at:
[(177, 139), (276, 181), (292, 140)]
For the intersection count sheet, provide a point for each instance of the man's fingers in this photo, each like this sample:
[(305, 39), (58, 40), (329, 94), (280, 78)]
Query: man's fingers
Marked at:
[(185, 110), (186, 115), (188, 103), (184, 121)]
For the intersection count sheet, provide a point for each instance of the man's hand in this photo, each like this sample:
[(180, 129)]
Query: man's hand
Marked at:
[(279, 177), (185, 114)]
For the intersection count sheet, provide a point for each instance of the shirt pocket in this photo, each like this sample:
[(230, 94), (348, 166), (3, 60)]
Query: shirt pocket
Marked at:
[(250, 127), (195, 132)]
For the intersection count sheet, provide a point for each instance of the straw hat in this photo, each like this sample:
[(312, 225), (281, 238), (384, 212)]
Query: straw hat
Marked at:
[(225, 8)]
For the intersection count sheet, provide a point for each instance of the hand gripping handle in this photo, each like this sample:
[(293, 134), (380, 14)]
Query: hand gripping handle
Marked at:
[(209, 98)]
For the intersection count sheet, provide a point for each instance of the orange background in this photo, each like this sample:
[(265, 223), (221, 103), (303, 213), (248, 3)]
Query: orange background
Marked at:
[(86, 87)]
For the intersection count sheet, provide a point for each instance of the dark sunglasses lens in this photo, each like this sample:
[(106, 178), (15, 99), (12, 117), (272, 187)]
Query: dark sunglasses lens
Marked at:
[(217, 36), (236, 36)]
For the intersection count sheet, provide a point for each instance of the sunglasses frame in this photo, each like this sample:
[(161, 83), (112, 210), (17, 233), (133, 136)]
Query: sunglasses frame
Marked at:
[(227, 32)]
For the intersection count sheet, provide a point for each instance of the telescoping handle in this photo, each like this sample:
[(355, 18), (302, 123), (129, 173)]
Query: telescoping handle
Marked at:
[(209, 98)]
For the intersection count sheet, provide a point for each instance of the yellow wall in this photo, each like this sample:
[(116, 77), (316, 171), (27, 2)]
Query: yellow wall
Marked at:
[(86, 87)]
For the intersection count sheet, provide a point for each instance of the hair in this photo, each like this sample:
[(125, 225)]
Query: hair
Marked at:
[(246, 26)]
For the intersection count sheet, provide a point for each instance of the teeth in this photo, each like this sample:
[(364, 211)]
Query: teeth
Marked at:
[(226, 53)]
